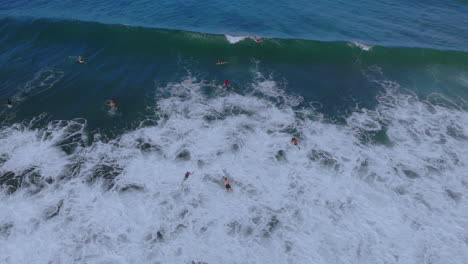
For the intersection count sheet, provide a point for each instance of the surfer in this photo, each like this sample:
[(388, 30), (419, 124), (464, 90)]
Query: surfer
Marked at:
[(226, 82), (220, 62), (294, 141), (227, 185), (81, 60), (112, 103), (187, 174), (256, 39), (9, 103)]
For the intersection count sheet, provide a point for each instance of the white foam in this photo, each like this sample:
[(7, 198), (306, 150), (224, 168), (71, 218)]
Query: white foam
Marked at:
[(235, 39), (337, 199), (364, 47)]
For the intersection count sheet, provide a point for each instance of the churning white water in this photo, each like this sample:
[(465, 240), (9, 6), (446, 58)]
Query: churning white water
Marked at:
[(342, 197)]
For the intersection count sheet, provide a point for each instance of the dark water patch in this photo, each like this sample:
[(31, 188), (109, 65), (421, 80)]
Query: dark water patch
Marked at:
[(456, 131), (105, 174), (234, 227), (378, 137), (420, 198), (70, 145), (6, 228), (293, 131), (226, 112), (415, 225), (183, 213), (108, 172), (401, 190), (9, 182), (73, 134), (34, 181), (281, 155), (456, 196), (3, 158), (272, 224), (122, 238), (76, 167), (200, 164), (436, 165), (211, 117), (370, 178), (160, 235), (131, 187), (210, 92), (29, 179), (288, 245), (235, 147), (148, 123), (363, 167), (234, 110), (148, 147), (324, 158), (180, 228), (184, 155), (410, 174), (53, 211), (248, 231), (203, 229), (339, 208)]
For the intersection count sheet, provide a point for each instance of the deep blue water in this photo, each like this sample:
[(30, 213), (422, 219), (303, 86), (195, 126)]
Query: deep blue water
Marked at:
[(414, 23)]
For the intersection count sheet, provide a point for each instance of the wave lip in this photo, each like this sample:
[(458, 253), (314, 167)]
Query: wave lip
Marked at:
[(363, 47), (234, 39)]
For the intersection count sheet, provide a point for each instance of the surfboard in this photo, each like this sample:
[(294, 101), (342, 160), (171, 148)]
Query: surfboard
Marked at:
[(256, 39)]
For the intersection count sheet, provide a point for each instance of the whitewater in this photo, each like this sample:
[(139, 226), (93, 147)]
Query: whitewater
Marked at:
[(386, 185)]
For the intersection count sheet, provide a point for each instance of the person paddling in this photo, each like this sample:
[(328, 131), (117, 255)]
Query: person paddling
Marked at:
[(187, 175), (112, 103), (81, 60), (227, 185), (294, 141)]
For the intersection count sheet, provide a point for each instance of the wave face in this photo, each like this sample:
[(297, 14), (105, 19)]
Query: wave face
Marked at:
[(413, 23), (379, 175)]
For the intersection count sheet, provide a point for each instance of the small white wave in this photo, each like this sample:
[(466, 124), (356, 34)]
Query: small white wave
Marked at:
[(235, 39), (364, 47)]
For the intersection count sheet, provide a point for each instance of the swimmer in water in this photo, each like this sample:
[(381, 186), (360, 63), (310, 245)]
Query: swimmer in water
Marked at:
[(227, 185), (294, 141), (113, 104), (9, 103), (220, 62), (81, 60), (226, 82), (187, 174), (256, 39)]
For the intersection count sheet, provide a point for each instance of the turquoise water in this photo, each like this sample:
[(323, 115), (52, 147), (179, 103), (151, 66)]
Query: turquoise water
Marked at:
[(375, 92), (127, 62)]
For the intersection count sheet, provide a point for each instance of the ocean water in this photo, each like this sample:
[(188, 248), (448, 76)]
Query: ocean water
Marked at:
[(375, 92)]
